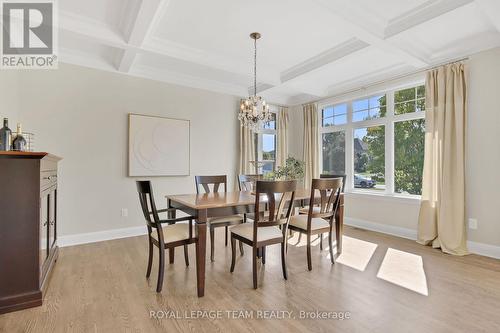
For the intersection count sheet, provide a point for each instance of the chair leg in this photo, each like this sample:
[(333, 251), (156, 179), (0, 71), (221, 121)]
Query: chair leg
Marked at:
[(233, 253), (254, 267), (284, 249), (241, 249), (309, 264), (161, 268), (321, 242), (212, 244), (150, 259), (186, 254), (263, 251), (225, 241), (171, 255), (330, 242)]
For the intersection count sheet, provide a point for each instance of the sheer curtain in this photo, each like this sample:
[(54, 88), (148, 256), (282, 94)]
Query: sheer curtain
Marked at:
[(282, 136), (247, 151), (311, 143), (442, 211)]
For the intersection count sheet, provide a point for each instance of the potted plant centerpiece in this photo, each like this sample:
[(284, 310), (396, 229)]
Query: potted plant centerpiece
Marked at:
[(292, 170)]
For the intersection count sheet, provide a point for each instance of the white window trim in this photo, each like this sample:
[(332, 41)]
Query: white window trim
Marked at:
[(387, 121)]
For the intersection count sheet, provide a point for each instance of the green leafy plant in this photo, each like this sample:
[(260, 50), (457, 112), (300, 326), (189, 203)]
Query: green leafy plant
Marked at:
[(292, 170)]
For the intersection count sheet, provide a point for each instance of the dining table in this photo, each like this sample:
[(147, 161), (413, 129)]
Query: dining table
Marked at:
[(206, 205)]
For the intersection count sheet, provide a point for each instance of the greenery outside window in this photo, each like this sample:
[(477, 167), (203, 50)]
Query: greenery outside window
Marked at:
[(380, 145)]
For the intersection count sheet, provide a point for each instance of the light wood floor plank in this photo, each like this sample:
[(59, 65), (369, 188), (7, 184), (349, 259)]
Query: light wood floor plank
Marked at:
[(101, 287)]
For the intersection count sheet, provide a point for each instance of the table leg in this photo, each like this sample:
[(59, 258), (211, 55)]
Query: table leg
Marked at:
[(201, 233), (339, 226)]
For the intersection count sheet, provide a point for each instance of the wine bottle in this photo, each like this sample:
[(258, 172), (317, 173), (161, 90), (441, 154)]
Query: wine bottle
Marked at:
[(5, 136), (19, 142)]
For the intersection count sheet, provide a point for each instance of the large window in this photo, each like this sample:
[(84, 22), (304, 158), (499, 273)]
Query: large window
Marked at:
[(265, 146), (378, 141)]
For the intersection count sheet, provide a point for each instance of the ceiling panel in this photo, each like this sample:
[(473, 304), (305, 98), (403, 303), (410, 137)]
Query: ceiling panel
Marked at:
[(355, 66), (389, 9), (455, 31), (109, 12), (292, 30)]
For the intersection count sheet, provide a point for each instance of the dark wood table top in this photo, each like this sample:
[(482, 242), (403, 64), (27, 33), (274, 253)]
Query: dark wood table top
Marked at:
[(226, 199)]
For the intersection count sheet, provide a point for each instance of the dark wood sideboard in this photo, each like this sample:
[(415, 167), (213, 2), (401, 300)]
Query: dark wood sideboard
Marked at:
[(28, 227)]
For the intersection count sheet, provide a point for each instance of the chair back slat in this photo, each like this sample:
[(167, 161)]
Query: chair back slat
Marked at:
[(206, 181), (280, 195), (247, 182), (343, 176), (146, 198), (329, 189)]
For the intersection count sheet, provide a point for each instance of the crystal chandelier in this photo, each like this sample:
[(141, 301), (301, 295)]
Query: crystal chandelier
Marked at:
[(254, 111)]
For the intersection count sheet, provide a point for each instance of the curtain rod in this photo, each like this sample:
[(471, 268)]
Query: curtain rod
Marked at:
[(390, 79)]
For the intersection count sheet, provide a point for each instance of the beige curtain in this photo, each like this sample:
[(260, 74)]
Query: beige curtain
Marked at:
[(247, 151), (442, 211), (311, 143), (282, 137)]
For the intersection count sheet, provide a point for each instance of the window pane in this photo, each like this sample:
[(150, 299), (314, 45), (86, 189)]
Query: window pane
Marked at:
[(340, 119), (405, 107), (420, 91), (360, 115), (327, 121), (409, 156), (361, 104), (340, 109), (369, 158), (421, 104), (377, 101), (268, 152), (272, 123), (334, 152), (328, 112), (404, 95)]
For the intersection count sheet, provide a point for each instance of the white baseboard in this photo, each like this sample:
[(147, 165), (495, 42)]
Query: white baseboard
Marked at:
[(482, 249), (99, 236), (383, 228)]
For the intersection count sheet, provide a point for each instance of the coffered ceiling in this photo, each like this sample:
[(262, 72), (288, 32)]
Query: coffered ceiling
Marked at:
[(309, 48)]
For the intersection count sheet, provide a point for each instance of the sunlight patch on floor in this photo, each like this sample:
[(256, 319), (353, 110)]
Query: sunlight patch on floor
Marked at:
[(405, 270), (356, 253)]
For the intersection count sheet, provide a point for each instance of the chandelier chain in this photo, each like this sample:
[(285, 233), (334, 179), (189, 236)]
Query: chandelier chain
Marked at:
[(255, 67)]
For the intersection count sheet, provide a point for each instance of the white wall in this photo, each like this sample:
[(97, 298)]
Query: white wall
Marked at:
[(483, 147), (9, 97), (81, 115), (483, 161)]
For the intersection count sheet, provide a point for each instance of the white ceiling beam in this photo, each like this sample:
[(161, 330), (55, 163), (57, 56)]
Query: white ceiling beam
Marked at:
[(422, 14), (372, 32), (491, 9), (340, 51), (148, 15)]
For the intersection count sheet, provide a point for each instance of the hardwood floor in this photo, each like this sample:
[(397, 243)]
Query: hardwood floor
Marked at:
[(101, 287)]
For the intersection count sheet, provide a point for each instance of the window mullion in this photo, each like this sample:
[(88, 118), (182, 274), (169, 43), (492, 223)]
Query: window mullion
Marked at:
[(349, 150), (389, 144)]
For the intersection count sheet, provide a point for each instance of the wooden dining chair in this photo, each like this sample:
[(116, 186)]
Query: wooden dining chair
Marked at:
[(305, 210), (319, 219), (264, 231), (247, 183), (340, 175), (212, 184), (164, 234)]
